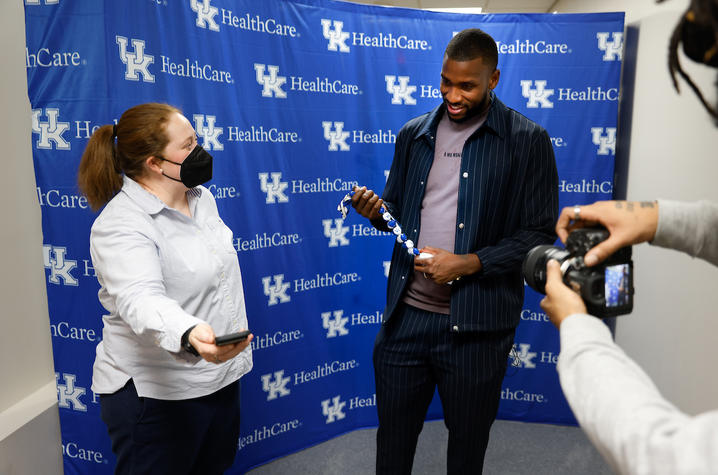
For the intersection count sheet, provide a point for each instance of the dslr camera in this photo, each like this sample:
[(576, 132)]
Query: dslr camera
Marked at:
[(606, 289)]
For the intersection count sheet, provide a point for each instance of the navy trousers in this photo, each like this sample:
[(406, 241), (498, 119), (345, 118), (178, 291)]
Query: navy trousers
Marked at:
[(190, 436), (415, 353)]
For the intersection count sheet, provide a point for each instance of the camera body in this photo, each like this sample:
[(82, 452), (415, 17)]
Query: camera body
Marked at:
[(606, 289)]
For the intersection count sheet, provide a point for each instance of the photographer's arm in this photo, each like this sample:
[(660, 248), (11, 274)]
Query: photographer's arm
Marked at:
[(689, 227), (686, 227), (628, 222), (622, 412), (616, 403)]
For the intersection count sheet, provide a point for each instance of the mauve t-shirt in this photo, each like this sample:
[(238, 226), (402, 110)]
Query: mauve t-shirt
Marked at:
[(438, 209)]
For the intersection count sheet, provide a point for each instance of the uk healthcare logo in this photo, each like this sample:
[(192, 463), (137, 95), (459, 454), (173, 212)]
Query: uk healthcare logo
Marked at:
[(272, 82), (277, 293), (68, 394), (337, 38), (537, 96), (523, 358), (401, 93), (275, 188), (53, 258), (337, 137), (205, 14), (335, 412), (50, 130), (209, 133), (277, 388), (336, 234), (335, 323), (612, 50), (137, 61), (606, 142)]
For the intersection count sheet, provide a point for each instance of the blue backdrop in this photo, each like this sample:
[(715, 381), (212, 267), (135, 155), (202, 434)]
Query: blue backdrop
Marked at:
[(297, 101)]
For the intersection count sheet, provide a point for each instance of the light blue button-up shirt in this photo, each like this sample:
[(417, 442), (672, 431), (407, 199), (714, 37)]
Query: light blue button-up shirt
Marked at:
[(161, 272)]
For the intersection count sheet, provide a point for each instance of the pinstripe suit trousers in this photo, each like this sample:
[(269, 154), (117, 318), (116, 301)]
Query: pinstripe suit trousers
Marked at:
[(415, 353)]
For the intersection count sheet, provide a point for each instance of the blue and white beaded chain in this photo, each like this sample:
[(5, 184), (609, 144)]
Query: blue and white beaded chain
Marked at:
[(391, 222)]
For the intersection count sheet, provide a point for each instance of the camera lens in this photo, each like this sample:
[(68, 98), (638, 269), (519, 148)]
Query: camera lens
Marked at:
[(534, 267)]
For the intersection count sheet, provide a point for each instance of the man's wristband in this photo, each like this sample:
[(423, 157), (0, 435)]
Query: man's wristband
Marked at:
[(186, 345)]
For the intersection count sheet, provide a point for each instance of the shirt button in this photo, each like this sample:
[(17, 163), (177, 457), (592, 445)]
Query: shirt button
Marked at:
[(466, 175), (455, 328), (461, 225)]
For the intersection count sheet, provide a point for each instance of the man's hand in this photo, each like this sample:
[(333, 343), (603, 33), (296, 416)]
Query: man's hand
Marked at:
[(202, 338), (628, 222), (445, 266), (366, 203), (560, 300)]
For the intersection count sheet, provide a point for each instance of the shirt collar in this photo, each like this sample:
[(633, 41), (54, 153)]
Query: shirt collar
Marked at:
[(493, 121), (149, 202)]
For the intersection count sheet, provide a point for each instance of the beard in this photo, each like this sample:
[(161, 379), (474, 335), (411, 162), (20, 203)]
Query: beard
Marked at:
[(474, 111)]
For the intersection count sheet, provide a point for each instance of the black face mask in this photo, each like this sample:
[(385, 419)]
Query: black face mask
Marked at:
[(196, 168)]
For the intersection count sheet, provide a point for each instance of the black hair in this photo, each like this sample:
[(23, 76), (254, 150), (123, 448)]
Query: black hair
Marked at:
[(698, 32), (473, 43)]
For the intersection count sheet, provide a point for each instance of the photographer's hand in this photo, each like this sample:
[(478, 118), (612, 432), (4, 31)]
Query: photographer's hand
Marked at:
[(560, 300), (628, 222)]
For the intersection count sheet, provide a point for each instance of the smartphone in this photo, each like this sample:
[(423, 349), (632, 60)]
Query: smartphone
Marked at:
[(230, 338)]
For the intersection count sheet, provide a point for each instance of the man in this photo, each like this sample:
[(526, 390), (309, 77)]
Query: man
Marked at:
[(615, 402), (474, 183)]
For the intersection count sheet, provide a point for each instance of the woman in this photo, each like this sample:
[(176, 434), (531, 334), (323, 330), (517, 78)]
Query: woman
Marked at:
[(170, 281)]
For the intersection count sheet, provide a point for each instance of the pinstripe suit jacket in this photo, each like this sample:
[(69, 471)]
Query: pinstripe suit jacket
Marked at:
[(508, 203)]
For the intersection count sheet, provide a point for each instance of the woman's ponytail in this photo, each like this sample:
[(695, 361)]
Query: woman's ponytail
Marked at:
[(99, 176)]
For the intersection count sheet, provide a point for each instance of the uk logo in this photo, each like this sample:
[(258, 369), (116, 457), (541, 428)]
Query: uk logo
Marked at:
[(606, 142), (277, 293), (335, 412), (68, 394), (612, 50), (336, 234), (50, 131), (275, 188), (337, 138), (538, 96), (401, 93), (335, 326), (276, 388), (53, 258), (337, 38), (271, 83), (205, 14), (137, 62), (209, 133), (523, 358)]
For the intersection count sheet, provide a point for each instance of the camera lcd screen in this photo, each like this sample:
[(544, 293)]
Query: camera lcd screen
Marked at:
[(618, 283)]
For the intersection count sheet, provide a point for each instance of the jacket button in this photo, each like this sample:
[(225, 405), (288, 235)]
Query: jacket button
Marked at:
[(466, 175), (461, 225), (455, 328)]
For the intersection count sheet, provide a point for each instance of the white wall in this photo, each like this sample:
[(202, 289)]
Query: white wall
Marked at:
[(28, 400), (672, 155)]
